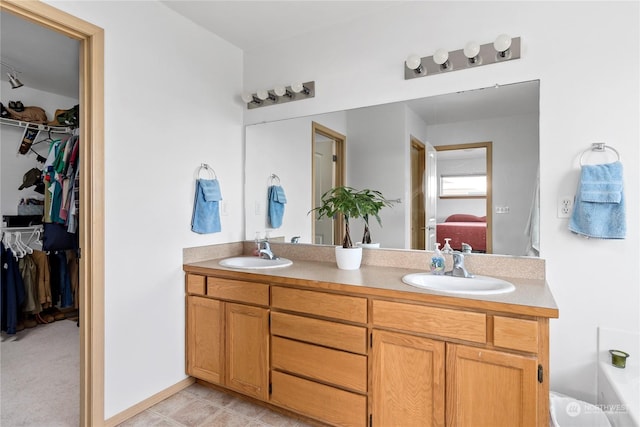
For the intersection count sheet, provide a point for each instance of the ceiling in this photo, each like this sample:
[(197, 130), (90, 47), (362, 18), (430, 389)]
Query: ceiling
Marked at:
[(48, 61)]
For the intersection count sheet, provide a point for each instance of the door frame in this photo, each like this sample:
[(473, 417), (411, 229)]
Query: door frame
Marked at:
[(489, 168), (91, 223), (421, 148), (341, 142)]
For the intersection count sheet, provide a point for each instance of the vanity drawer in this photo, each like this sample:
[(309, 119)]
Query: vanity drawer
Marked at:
[(237, 290), (329, 334), (517, 334), (342, 307), (336, 367), (196, 284), (464, 325), (319, 401)]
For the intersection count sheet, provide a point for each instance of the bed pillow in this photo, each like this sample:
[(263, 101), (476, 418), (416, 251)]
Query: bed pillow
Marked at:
[(465, 218)]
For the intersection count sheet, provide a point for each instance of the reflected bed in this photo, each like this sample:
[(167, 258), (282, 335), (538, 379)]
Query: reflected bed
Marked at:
[(465, 228)]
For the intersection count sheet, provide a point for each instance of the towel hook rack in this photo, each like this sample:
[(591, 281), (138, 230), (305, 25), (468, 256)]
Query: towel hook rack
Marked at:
[(273, 177), (207, 168), (598, 147)]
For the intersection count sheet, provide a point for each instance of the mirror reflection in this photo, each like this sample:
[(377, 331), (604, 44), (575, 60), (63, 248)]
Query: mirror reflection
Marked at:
[(404, 150)]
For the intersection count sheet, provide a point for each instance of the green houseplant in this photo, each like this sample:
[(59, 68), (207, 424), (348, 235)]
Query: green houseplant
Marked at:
[(350, 204)]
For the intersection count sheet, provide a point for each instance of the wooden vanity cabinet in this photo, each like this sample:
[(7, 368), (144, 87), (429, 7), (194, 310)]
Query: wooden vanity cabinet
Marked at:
[(228, 333), (485, 371), (490, 388), (319, 355), (348, 359)]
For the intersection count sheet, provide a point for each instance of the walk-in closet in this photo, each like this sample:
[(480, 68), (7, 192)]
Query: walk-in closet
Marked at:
[(39, 203)]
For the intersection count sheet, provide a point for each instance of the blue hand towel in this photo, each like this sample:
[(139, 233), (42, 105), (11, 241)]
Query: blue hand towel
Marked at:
[(206, 212), (599, 208), (277, 200)]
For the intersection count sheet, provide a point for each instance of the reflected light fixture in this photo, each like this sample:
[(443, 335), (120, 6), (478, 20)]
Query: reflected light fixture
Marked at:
[(504, 48), (13, 76), (279, 95)]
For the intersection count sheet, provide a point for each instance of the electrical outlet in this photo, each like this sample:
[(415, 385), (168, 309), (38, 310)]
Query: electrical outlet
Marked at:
[(565, 206)]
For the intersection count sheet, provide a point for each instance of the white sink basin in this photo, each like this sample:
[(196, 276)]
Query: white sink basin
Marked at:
[(477, 285), (255, 263)]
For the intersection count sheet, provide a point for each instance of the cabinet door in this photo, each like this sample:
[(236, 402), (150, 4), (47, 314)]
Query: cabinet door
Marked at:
[(247, 350), (408, 386), (490, 388), (205, 339)]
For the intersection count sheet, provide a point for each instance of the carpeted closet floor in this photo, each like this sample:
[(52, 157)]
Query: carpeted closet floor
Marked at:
[(40, 376), (39, 387)]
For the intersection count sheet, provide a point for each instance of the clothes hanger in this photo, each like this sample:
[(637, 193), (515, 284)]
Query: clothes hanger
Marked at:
[(25, 246)]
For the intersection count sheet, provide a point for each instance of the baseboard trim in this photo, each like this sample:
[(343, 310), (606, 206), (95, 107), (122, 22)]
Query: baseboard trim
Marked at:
[(148, 403)]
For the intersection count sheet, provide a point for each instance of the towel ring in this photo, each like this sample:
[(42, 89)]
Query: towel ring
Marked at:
[(598, 147), (209, 169), (274, 177)]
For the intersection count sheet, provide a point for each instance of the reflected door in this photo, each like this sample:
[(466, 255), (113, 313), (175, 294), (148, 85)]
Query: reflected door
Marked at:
[(418, 223), (431, 191)]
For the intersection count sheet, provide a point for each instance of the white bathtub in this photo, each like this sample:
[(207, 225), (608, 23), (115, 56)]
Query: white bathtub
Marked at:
[(619, 389), (619, 394)]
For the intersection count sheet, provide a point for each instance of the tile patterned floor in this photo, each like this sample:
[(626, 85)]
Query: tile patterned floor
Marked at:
[(200, 406)]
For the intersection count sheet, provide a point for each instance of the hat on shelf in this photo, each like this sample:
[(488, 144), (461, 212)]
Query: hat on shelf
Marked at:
[(32, 177)]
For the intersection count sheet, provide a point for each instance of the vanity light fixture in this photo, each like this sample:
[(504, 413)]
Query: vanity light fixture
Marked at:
[(280, 94), (471, 51), (263, 95), (13, 76), (250, 98), (441, 57), (504, 48), (414, 62), (502, 45)]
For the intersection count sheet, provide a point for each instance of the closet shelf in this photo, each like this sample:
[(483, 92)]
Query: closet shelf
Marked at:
[(37, 126)]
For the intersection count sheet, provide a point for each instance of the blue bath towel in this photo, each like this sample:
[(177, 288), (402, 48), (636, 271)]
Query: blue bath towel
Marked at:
[(599, 208), (277, 200), (206, 212)]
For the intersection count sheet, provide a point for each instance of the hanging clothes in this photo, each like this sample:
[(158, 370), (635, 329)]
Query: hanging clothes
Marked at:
[(12, 293)]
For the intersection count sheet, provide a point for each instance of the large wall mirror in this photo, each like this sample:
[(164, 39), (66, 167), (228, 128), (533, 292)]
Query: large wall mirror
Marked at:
[(408, 151)]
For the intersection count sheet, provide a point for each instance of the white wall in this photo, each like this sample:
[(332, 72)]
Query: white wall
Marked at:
[(582, 100), (15, 165), (158, 130), (282, 148), (377, 151)]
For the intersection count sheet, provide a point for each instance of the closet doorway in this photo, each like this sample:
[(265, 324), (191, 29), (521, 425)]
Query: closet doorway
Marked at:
[(91, 224)]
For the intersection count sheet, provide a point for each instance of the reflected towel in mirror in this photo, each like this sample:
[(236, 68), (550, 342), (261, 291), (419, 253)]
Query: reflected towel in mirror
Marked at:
[(277, 200)]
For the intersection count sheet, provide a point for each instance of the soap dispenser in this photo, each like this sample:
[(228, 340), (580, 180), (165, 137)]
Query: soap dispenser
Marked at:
[(447, 249), (437, 261)]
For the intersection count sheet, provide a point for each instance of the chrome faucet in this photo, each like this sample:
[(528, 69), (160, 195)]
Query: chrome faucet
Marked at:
[(458, 266), (265, 250)]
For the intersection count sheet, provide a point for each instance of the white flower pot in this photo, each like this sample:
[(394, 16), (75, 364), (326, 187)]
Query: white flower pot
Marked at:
[(348, 258), (369, 245)]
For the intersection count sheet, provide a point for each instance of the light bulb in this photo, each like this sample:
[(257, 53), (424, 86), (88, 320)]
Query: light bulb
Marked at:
[(247, 97), (471, 50), (297, 87), (413, 62), (502, 43), (441, 56), (280, 90), (263, 94)]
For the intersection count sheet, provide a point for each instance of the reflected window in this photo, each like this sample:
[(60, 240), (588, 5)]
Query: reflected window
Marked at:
[(458, 186)]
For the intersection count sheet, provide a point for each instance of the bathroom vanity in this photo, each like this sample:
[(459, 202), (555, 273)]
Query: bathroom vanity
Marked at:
[(361, 348)]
